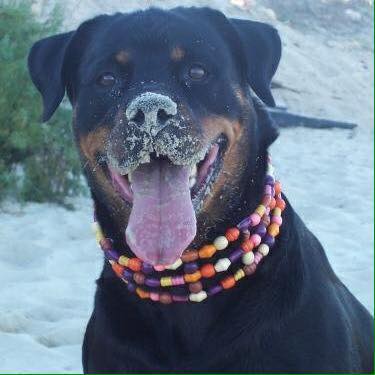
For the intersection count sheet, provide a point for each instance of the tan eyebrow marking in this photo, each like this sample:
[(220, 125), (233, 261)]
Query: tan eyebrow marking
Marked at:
[(122, 57), (177, 53)]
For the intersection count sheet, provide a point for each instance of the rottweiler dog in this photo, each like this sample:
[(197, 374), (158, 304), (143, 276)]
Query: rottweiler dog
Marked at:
[(169, 106)]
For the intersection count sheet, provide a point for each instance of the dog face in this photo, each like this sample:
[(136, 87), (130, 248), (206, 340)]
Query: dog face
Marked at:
[(162, 115)]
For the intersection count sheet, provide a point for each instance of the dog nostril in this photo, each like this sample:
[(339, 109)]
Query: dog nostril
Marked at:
[(163, 116), (139, 117)]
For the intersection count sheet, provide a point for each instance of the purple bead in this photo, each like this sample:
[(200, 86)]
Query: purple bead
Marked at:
[(147, 268), (260, 229), (178, 298), (190, 267), (151, 282), (178, 280), (214, 290), (268, 190), (131, 287), (268, 240), (112, 254), (235, 255), (257, 258), (127, 274), (269, 180), (244, 224)]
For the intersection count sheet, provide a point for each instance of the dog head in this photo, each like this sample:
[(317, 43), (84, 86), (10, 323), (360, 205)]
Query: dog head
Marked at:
[(163, 116)]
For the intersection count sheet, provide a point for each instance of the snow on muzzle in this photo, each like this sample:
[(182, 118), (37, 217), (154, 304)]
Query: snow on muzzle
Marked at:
[(156, 147)]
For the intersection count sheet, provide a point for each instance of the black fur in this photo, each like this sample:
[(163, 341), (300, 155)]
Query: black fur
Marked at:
[(294, 315)]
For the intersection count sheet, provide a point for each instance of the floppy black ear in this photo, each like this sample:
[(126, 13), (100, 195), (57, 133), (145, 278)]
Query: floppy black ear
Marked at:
[(262, 46), (45, 62)]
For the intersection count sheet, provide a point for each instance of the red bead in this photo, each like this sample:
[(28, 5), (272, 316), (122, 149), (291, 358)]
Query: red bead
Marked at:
[(118, 269), (189, 256), (208, 270), (277, 187), (105, 244), (135, 264), (195, 287), (228, 282), (273, 203), (232, 234), (280, 203), (266, 200), (247, 245), (139, 278), (165, 298)]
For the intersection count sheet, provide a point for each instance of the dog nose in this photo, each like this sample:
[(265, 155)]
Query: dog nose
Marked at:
[(152, 111)]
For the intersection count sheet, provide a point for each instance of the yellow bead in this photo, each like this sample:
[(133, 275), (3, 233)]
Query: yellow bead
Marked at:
[(273, 230), (123, 260), (239, 274), (260, 210), (175, 265), (221, 243), (276, 211), (166, 281)]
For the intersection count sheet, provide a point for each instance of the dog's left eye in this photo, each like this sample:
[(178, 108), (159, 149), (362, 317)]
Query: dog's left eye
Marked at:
[(106, 79)]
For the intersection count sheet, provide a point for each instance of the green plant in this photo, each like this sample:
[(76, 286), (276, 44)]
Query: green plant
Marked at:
[(37, 162)]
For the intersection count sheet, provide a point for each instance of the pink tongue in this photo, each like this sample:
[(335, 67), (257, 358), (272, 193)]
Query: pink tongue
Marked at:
[(162, 222)]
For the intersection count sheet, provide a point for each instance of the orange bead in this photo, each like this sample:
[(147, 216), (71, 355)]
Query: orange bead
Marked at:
[(228, 282), (208, 270), (277, 187), (232, 234), (273, 230), (207, 251), (273, 203), (192, 277), (142, 293), (280, 203), (247, 245), (135, 264), (118, 269), (189, 256)]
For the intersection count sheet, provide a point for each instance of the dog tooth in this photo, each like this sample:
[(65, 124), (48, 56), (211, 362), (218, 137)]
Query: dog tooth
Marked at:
[(130, 177), (193, 171), (192, 182)]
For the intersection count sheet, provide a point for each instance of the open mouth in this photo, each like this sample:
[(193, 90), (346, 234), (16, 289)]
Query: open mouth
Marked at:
[(164, 200), (201, 177)]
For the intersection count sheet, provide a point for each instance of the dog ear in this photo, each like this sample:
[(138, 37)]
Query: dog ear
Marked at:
[(262, 48), (45, 63)]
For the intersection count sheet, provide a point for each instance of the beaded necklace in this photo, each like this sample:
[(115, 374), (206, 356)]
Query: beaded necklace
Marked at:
[(256, 233)]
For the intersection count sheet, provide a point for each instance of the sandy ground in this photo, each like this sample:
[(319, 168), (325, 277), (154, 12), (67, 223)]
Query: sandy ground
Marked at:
[(48, 258)]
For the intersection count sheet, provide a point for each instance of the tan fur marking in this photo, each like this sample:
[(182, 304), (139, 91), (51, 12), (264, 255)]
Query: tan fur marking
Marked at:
[(232, 159), (93, 142), (123, 57), (177, 54)]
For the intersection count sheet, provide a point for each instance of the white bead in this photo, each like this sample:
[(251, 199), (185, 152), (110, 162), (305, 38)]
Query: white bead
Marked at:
[(248, 258), (222, 265), (175, 265), (264, 249), (221, 243), (198, 297)]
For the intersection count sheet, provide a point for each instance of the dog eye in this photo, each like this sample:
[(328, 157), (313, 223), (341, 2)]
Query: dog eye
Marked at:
[(197, 72), (106, 79)]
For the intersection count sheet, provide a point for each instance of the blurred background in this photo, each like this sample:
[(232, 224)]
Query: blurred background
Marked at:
[(48, 257)]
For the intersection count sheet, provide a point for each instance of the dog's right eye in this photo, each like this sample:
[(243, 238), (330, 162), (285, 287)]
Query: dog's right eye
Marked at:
[(106, 79)]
